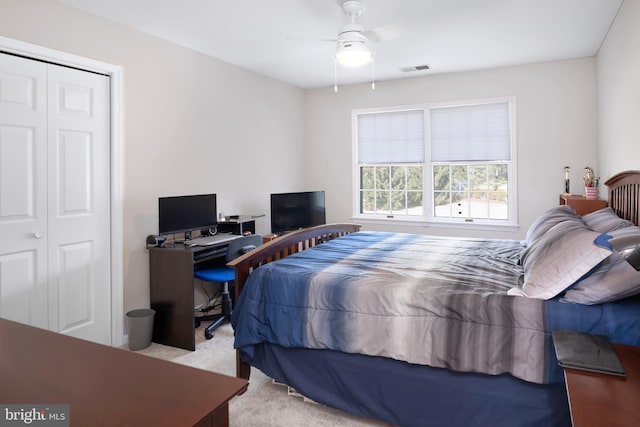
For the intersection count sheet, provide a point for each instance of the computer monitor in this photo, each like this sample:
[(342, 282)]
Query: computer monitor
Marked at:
[(292, 211), (186, 213)]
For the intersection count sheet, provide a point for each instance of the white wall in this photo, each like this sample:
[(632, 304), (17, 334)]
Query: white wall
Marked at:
[(619, 93), (195, 124), (556, 126), (192, 124)]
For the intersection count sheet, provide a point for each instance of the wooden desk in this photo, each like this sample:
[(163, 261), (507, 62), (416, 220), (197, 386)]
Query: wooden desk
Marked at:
[(106, 386), (606, 400), (171, 280)]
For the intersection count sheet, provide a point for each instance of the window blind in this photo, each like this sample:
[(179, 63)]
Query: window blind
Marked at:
[(391, 137), (470, 133)]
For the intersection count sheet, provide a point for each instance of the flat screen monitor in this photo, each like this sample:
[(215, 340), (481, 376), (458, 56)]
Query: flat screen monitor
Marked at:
[(292, 211), (186, 213)]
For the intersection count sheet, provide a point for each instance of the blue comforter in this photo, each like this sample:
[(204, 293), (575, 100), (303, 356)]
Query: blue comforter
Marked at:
[(424, 300)]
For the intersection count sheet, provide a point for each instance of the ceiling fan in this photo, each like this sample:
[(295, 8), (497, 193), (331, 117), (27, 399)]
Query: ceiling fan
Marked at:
[(354, 44)]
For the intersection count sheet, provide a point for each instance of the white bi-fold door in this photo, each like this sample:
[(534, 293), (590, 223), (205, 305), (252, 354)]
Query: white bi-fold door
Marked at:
[(55, 198)]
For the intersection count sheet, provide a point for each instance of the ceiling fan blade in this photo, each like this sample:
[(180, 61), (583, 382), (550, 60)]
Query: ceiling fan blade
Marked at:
[(387, 32), (311, 39)]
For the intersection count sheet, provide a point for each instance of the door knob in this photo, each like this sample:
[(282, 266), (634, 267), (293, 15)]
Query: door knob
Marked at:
[(38, 234)]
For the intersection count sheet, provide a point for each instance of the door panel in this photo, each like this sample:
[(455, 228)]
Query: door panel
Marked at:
[(76, 291), (79, 194), (23, 197), (19, 85), (17, 172), (74, 173), (19, 289), (75, 100)]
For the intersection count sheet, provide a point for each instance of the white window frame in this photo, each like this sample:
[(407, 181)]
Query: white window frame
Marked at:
[(428, 219)]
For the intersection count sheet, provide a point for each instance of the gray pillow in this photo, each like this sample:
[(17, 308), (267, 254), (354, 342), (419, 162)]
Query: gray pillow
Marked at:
[(548, 219), (614, 278), (605, 220), (558, 259)]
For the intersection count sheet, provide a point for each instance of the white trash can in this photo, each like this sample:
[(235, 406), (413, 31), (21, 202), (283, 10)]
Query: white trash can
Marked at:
[(140, 326)]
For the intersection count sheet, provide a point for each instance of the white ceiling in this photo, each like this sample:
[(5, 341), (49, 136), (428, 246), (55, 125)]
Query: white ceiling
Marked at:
[(276, 38)]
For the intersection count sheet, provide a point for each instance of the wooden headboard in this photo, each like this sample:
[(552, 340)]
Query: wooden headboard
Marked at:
[(624, 195)]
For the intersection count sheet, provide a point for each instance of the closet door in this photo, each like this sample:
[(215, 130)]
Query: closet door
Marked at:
[(79, 204), (55, 198), (23, 195)]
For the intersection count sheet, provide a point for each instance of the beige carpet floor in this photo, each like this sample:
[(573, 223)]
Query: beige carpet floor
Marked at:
[(264, 404)]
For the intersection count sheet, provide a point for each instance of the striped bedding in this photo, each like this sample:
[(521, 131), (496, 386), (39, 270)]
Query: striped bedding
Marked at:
[(420, 299)]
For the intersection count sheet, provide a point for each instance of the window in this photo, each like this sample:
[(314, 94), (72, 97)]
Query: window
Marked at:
[(391, 151), (444, 163)]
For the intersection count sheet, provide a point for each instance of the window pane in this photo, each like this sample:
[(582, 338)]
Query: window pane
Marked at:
[(414, 203), (441, 178), (442, 202), (498, 208), (382, 202), (460, 205), (498, 177), (382, 177), (367, 175), (398, 177), (460, 178), (399, 202), (367, 204), (478, 205), (414, 178), (477, 177)]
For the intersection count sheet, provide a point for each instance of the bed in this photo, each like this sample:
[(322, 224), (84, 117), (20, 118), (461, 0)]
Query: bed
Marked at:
[(419, 330)]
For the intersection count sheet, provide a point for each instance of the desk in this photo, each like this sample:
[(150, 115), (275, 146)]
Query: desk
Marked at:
[(171, 269), (108, 386), (606, 400)]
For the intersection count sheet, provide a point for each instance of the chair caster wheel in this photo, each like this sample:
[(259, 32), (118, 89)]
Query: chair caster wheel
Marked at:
[(208, 335)]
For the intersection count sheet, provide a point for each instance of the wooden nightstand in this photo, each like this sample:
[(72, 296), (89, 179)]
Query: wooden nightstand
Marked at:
[(581, 204), (599, 400)]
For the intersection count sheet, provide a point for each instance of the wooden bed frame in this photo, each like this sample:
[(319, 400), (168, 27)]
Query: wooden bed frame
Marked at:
[(623, 197)]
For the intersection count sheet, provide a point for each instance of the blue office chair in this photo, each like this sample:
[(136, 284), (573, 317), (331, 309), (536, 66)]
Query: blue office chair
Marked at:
[(224, 275)]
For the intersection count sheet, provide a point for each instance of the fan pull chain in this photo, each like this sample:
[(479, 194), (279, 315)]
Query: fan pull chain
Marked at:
[(335, 75), (373, 75)]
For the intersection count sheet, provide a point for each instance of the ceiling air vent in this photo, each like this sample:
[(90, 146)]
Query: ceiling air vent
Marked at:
[(415, 68)]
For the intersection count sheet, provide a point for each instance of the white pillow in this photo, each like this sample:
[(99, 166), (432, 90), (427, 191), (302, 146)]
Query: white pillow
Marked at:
[(559, 258)]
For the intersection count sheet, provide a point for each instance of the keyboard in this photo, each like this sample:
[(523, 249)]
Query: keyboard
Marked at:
[(209, 252), (211, 240)]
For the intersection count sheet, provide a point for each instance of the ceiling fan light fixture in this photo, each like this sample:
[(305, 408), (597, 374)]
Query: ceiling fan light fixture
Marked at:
[(353, 49), (353, 54)]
